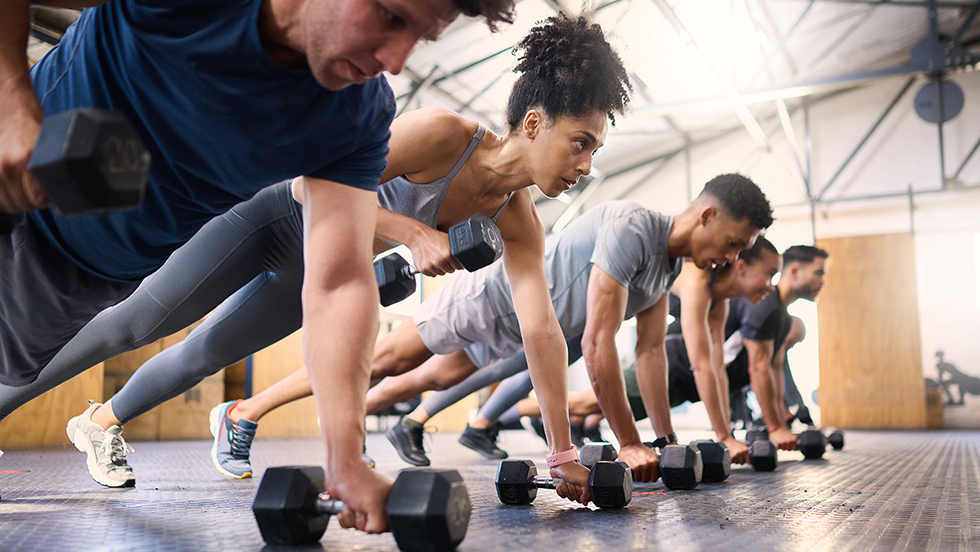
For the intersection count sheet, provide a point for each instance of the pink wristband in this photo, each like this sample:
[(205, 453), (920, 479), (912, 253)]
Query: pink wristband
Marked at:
[(570, 455)]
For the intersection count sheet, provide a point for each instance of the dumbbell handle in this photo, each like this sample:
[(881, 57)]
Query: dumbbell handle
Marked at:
[(327, 505), (545, 482)]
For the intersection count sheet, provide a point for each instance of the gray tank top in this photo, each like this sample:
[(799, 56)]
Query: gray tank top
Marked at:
[(423, 201)]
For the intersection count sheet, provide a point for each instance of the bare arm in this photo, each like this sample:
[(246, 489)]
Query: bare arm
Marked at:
[(340, 324), (702, 342), (651, 365), (544, 343), (605, 309), (763, 379)]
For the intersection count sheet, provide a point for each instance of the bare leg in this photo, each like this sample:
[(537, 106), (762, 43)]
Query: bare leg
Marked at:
[(293, 387), (439, 372)]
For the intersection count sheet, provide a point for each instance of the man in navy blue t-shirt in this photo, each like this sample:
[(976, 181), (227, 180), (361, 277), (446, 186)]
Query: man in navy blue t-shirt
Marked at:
[(764, 327), (230, 96)]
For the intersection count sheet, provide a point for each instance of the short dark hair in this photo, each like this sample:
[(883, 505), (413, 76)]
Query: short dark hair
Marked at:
[(751, 255), (803, 254), (492, 11), (568, 69), (741, 197)]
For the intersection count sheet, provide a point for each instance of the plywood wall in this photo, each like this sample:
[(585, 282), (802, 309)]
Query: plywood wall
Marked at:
[(41, 422), (870, 363)]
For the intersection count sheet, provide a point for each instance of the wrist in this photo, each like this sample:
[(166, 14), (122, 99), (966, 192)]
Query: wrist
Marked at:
[(555, 460)]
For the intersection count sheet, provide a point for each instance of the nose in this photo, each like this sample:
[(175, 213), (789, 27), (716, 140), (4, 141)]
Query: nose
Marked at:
[(731, 256), (585, 167), (395, 51)]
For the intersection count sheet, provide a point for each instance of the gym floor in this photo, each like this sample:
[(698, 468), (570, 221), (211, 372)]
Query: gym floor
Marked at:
[(884, 491)]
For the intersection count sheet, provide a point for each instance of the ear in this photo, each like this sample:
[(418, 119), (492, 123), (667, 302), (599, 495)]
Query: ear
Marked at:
[(707, 213), (741, 266), (533, 121)]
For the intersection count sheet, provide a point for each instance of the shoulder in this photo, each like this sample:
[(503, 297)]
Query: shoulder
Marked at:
[(441, 129)]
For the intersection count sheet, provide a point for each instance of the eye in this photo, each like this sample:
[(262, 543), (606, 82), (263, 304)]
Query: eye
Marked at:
[(392, 19), (580, 144)]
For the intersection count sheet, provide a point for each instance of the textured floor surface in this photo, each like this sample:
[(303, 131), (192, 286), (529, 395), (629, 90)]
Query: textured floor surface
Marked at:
[(884, 491)]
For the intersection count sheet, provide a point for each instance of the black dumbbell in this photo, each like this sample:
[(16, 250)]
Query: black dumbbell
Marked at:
[(762, 455), (599, 451), (756, 433), (611, 483), (836, 439), (716, 459), (474, 243), (811, 443), (428, 510), (89, 161), (681, 466)]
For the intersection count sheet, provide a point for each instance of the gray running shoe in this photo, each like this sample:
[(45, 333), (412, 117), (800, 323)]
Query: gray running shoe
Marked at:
[(232, 442), (105, 449)]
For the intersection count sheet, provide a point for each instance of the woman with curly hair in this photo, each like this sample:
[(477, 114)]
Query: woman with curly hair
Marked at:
[(442, 168)]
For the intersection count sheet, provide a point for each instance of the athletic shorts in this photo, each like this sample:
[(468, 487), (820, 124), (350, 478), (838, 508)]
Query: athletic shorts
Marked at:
[(459, 316), (45, 299)]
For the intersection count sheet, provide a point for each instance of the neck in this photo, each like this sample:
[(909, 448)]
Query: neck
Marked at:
[(278, 30), (786, 294), (681, 232), (506, 160), (724, 287)]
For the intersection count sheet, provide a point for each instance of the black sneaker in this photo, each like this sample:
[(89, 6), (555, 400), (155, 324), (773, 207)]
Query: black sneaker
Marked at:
[(592, 435), (406, 437), (483, 441)]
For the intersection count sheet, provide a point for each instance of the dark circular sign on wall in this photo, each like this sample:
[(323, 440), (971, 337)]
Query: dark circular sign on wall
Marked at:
[(927, 101)]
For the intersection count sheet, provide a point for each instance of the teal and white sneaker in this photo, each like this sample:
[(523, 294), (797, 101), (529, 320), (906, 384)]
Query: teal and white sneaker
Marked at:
[(105, 449), (232, 442)]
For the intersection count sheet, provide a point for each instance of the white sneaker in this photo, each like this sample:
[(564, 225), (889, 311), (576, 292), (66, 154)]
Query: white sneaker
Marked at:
[(105, 449)]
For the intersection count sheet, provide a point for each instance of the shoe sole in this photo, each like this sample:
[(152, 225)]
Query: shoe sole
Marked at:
[(214, 419), (84, 445), (401, 455), (468, 444)]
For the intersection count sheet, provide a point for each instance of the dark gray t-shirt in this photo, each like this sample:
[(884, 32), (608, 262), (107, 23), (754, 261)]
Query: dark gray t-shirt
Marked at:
[(623, 238)]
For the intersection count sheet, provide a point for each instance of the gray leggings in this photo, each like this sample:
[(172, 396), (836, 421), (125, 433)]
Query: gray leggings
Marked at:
[(516, 384), (252, 255)]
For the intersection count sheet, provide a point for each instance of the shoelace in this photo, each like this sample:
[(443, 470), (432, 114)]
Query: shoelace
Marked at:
[(492, 433), (115, 448), (241, 441)]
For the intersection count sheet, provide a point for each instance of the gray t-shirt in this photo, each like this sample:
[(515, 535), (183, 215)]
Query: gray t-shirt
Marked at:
[(623, 238)]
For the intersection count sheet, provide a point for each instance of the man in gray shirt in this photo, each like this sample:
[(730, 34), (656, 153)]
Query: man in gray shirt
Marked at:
[(613, 263)]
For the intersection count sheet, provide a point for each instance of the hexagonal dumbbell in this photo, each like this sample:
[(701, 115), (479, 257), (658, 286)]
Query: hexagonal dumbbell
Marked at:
[(428, 510), (756, 433), (599, 451), (681, 466), (762, 455), (716, 459), (611, 483), (836, 439), (811, 443), (474, 243), (88, 161)]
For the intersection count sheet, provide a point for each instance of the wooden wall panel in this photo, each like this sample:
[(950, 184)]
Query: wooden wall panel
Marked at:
[(296, 419), (41, 422), (870, 364)]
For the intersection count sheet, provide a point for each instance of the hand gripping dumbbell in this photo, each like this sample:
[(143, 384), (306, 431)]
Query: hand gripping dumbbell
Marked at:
[(88, 161), (611, 483), (474, 243), (428, 510), (810, 442)]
